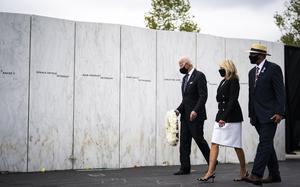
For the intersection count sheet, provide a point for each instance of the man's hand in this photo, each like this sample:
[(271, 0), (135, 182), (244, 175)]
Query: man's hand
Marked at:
[(221, 123), (276, 118), (193, 115)]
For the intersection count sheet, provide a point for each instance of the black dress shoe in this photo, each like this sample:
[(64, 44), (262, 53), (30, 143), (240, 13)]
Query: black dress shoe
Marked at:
[(272, 179), (181, 172), (253, 179)]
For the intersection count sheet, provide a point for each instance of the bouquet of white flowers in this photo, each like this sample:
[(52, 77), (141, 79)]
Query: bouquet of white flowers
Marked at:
[(172, 132)]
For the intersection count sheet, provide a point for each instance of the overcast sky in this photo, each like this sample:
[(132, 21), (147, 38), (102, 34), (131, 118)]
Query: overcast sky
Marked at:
[(251, 19)]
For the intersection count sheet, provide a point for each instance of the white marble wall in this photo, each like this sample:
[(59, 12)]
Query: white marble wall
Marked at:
[(100, 93), (14, 80), (170, 47), (51, 94), (210, 53), (97, 82), (138, 97)]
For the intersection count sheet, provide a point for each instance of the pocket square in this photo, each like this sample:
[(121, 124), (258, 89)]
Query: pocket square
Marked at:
[(191, 82)]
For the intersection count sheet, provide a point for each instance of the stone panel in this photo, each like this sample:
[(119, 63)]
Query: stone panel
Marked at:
[(138, 97), (97, 78), (14, 81), (170, 47), (51, 94)]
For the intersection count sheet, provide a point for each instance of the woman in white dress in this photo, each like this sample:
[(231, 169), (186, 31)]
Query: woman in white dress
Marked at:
[(228, 124)]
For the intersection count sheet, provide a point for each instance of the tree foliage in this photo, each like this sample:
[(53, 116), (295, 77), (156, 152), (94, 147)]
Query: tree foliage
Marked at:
[(289, 23), (171, 15)]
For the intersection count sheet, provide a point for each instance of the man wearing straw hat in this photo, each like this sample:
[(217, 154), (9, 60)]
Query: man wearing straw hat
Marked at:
[(266, 109)]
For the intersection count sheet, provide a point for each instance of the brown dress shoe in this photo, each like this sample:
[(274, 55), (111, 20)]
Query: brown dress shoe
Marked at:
[(241, 178), (272, 179), (253, 179)]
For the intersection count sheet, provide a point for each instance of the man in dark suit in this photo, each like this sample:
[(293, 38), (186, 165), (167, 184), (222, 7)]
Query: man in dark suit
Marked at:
[(266, 109), (193, 114)]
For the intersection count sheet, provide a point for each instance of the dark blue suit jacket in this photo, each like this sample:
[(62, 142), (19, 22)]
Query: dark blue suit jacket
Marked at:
[(267, 96), (194, 97)]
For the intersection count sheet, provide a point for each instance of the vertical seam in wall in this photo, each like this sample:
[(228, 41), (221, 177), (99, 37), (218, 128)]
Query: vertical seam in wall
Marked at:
[(120, 73), (155, 147), (28, 104), (73, 122), (196, 52), (225, 48)]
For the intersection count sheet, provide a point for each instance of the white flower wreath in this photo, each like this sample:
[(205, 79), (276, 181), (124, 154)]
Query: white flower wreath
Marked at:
[(172, 132)]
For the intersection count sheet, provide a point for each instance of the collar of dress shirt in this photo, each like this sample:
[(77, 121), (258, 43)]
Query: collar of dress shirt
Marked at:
[(190, 73), (261, 65)]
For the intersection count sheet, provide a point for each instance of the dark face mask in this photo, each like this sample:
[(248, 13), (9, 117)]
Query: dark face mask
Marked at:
[(183, 70), (222, 72), (253, 58)]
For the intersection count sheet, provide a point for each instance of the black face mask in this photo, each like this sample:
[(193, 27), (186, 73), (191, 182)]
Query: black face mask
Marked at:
[(253, 58), (222, 72), (183, 70)]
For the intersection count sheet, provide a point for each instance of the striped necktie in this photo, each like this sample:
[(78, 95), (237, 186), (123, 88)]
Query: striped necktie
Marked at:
[(257, 73), (185, 81)]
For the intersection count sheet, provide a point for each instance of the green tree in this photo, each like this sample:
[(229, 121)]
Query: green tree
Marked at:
[(171, 15), (289, 23)]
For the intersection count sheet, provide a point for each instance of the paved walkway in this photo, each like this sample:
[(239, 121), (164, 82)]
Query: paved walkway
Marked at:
[(145, 177)]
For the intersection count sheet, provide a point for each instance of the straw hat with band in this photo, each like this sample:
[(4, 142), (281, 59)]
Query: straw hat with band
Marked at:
[(259, 49)]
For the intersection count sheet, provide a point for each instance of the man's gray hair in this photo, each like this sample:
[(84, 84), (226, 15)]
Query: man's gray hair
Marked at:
[(186, 59)]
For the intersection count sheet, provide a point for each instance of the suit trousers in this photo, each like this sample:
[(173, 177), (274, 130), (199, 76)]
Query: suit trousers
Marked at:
[(188, 131), (265, 154)]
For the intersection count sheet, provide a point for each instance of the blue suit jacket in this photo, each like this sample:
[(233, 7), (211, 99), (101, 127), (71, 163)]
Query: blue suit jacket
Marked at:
[(267, 96), (194, 97)]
